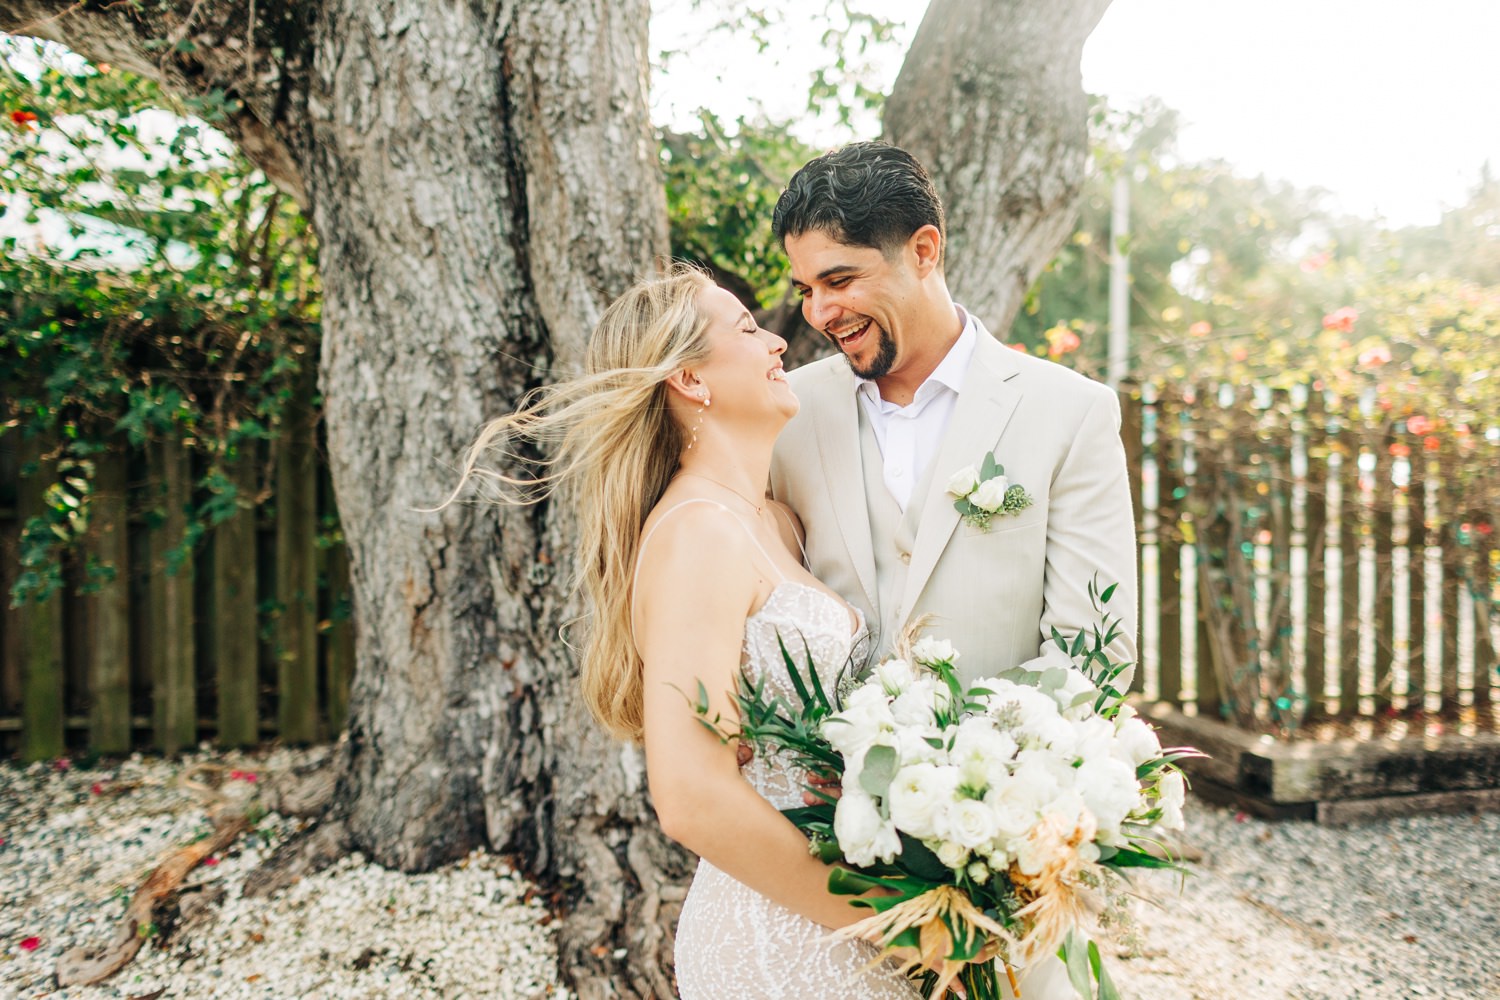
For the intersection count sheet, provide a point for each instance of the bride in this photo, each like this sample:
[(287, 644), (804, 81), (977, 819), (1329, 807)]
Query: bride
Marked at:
[(693, 573)]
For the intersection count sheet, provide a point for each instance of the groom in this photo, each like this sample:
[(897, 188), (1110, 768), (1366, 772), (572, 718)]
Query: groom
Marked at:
[(922, 391)]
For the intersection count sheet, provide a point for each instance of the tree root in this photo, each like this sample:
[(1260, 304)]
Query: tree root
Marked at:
[(85, 966)]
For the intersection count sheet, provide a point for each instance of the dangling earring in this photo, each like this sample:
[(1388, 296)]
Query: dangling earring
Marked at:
[(699, 423)]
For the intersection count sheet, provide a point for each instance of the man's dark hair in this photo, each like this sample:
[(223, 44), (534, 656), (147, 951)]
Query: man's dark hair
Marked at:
[(867, 194)]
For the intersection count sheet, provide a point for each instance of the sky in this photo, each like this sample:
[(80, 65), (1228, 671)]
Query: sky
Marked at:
[(1390, 105)]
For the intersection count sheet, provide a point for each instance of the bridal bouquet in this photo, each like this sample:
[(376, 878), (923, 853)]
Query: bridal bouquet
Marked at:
[(993, 816)]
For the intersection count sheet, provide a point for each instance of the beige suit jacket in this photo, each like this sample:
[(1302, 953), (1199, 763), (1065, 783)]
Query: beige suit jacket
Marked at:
[(996, 593)]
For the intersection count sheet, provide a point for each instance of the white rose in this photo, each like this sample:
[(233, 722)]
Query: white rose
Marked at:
[(865, 716), (895, 675), (1173, 792), (953, 855), (990, 496), (912, 746), (1095, 739), (933, 651), (981, 754), (968, 822), (979, 872), (914, 706), (918, 793), (1136, 742), (862, 835), (1111, 792), (964, 481)]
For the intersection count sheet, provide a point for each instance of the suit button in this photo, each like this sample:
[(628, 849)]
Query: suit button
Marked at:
[(906, 557)]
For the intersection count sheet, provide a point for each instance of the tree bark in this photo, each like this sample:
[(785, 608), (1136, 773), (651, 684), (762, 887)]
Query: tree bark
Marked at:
[(482, 178), (991, 99)]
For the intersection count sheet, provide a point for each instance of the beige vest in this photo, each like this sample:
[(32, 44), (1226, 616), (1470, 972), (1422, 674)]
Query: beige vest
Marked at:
[(892, 534)]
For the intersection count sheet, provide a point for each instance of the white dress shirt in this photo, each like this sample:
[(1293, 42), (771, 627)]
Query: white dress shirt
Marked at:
[(909, 436)]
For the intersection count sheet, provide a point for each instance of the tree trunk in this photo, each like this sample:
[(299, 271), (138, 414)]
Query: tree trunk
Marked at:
[(482, 178), (991, 99)]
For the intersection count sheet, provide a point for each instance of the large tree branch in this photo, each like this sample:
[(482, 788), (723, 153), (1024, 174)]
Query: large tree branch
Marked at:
[(194, 48), (991, 99)]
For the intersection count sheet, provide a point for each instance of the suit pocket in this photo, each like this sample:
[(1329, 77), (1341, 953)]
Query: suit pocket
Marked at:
[(1033, 518)]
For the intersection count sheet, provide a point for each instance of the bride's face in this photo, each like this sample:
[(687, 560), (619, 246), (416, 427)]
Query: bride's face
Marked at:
[(743, 369)]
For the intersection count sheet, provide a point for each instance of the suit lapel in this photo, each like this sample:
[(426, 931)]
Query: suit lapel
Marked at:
[(837, 429), (985, 404)]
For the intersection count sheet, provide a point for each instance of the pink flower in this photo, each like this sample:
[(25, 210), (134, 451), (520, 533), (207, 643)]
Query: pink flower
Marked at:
[(1316, 262), (61, 764), (210, 861), (242, 776), (1061, 340), (1418, 424), (1202, 328), (1375, 357), (96, 788), (1341, 319), (31, 943)]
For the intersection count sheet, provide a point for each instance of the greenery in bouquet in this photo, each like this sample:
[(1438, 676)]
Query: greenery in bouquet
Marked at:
[(994, 822)]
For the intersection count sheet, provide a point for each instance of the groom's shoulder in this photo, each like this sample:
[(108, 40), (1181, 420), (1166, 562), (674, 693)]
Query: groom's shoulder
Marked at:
[(815, 372), (1059, 384)]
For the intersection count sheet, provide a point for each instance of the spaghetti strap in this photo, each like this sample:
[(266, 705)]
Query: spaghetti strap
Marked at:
[(635, 577), (795, 533)]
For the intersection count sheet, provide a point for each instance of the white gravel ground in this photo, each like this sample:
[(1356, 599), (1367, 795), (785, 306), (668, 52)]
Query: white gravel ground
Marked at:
[(1392, 909)]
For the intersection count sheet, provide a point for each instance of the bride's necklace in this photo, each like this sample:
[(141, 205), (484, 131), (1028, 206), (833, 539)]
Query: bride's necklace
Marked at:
[(698, 475)]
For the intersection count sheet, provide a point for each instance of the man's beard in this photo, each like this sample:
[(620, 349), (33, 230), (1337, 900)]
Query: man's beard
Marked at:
[(880, 365)]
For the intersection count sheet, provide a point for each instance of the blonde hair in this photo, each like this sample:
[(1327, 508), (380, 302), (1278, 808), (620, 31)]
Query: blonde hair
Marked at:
[(614, 445)]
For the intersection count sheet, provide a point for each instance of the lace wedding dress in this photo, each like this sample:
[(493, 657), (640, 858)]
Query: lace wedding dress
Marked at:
[(733, 943)]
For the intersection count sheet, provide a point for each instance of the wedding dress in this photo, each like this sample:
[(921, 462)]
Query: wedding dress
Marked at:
[(732, 942)]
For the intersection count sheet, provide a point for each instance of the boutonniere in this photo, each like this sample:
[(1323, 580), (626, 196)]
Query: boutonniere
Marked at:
[(985, 492)]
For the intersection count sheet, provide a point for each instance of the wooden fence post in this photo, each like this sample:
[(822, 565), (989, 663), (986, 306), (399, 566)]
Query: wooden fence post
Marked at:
[(296, 568), (236, 607), (109, 616), (40, 627), (175, 714)]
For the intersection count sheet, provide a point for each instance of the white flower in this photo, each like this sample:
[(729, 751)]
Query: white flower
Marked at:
[(990, 496), (933, 651), (954, 855), (1173, 792), (866, 715), (895, 675), (918, 793), (1111, 792), (914, 706), (1095, 739), (982, 754), (964, 482), (979, 872), (1076, 683), (968, 822), (862, 835), (1136, 742), (912, 746)]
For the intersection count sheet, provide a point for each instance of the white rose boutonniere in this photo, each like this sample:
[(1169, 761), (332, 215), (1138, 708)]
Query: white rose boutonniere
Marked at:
[(986, 493)]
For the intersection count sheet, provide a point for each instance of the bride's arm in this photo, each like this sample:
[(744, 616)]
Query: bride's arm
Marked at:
[(698, 583)]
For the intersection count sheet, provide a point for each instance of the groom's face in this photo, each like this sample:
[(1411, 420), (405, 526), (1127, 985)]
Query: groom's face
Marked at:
[(858, 297)]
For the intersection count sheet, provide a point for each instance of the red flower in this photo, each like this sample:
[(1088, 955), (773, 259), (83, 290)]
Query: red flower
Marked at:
[(210, 861), (96, 788), (61, 764), (31, 943), (1431, 443), (1486, 528), (242, 776), (1400, 450), (22, 119), (1341, 319), (1017, 347)]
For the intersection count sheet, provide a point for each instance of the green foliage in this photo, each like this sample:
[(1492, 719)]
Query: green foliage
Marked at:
[(157, 287), (721, 190)]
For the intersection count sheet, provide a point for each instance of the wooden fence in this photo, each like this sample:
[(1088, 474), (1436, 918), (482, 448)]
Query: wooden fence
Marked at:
[(249, 637), (1296, 565), (1306, 559)]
